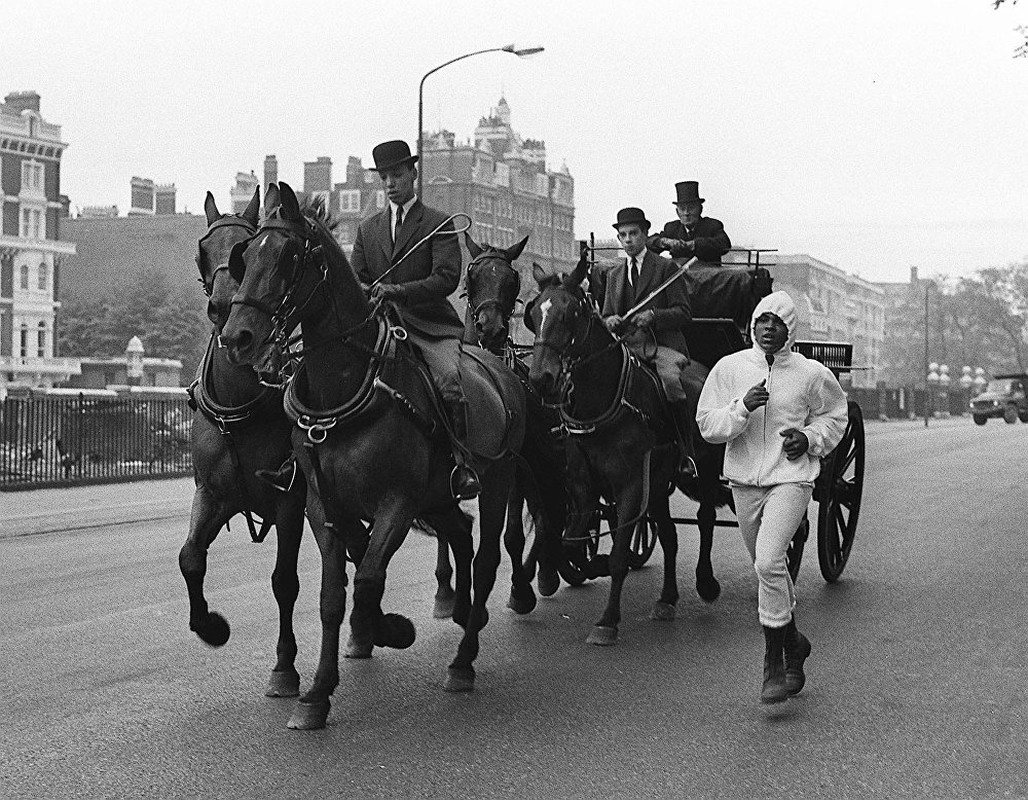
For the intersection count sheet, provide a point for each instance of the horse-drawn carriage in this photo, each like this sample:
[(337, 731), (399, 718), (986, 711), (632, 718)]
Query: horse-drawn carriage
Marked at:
[(722, 301)]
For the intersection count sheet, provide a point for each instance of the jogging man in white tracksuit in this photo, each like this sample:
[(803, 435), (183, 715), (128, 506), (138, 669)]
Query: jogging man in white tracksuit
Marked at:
[(778, 412)]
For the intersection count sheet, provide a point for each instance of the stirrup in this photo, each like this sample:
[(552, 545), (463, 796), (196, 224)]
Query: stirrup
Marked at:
[(464, 483), (277, 478)]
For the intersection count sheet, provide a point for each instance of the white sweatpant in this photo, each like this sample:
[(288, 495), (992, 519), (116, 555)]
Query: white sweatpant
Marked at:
[(768, 519)]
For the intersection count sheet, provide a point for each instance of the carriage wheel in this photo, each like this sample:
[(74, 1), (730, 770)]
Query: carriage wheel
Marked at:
[(842, 485), (644, 539), (795, 552)]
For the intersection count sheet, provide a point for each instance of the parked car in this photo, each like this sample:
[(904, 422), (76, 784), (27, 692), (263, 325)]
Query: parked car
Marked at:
[(1005, 397)]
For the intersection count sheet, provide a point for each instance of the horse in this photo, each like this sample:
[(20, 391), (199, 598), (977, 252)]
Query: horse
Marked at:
[(238, 427), (620, 445), (492, 285), (367, 437)]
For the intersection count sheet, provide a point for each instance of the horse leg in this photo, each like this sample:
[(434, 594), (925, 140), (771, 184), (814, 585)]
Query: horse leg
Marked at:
[(368, 625), (629, 507), (492, 507), (208, 516), (522, 597), (311, 711), (667, 534), (707, 586), (285, 680), (444, 595)]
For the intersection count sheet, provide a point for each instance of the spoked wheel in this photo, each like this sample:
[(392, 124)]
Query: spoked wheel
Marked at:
[(841, 486), (644, 539), (795, 552)]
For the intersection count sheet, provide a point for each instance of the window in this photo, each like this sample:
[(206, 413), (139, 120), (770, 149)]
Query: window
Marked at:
[(43, 283), (41, 340), (350, 200), (31, 223), (24, 341), (31, 177), (24, 276)]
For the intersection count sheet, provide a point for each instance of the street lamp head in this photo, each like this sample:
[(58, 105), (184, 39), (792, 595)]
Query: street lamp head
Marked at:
[(523, 52)]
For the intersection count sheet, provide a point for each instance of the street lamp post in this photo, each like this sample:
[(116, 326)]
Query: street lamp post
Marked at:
[(519, 52), (929, 400)]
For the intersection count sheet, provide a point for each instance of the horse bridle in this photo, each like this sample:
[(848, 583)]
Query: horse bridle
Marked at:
[(494, 255), (227, 221)]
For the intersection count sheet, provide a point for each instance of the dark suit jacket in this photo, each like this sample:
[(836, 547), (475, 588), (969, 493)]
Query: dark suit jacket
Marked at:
[(608, 284), (427, 277), (709, 236)]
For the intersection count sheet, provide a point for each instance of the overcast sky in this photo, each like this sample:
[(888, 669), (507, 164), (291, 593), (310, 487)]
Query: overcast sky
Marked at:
[(873, 135)]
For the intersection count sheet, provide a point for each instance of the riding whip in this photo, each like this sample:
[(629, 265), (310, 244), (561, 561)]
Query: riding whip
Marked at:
[(681, 271), (439, 230)]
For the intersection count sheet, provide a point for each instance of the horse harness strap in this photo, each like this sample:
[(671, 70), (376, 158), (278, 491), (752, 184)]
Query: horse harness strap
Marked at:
[(228, 418), (630, 365)]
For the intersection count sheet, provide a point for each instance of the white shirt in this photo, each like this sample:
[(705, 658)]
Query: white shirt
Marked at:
[(392, 215)]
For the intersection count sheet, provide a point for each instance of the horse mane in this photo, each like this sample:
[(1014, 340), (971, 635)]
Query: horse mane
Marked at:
[(315, 208)]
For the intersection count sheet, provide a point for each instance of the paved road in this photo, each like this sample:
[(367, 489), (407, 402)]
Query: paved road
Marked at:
[(916, 689)]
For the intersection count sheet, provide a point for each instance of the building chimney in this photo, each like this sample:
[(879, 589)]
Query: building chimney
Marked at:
[(164, 198), (913, 276), (23, 101)]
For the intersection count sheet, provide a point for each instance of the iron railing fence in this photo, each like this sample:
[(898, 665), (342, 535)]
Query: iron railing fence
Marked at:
[(62, 441)]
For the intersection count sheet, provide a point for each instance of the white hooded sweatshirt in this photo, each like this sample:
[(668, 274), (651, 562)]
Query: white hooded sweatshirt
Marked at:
[(803, 394)]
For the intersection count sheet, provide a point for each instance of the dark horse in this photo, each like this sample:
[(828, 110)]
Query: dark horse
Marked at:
[(619, 445), (493, 284), (239, 426), (367, 437)]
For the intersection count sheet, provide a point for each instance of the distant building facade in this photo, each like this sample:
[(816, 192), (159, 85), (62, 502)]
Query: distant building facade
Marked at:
[(834, 306), (31, 250), (242, 193)]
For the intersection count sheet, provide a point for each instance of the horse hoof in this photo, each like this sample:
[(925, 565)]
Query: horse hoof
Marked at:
[(459, 680), (549, 582), (309, 716), (283, 683), (603, 636), (358, 649), (215, 630), (443, 607), (707, 587), (662, 612), (521, 602), (396, 631)]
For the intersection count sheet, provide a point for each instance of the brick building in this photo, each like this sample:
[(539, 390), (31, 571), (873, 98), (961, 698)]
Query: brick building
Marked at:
[(31, 251)]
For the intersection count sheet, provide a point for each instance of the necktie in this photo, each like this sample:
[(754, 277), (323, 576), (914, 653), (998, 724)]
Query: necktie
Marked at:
[(399, 222), (634, 274)]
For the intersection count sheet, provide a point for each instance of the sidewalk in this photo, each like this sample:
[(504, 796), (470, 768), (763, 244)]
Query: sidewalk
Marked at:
[(76, 507)]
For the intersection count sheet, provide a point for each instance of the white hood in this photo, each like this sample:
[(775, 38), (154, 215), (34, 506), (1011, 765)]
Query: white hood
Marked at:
[(781, 305)]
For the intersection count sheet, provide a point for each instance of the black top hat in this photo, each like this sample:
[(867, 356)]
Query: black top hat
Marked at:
[(630, 215), (391, 154), (688, 192)]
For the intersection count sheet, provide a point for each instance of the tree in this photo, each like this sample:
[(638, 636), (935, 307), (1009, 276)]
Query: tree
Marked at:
[(170, 322), (1022, 50)]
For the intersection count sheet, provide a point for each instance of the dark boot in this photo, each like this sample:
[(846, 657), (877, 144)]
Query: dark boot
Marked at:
[(464, 483), (281, 478), (684, 422), (774, 689), (796, 649)]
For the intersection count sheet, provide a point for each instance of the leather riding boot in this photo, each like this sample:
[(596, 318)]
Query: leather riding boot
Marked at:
[(796, 649), (684, 422), (464, 483), (774, 689), (282, 478)]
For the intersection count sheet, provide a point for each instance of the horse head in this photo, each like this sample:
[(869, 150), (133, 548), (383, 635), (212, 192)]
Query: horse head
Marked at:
[(493, 285), (561, 316), (224, 231)]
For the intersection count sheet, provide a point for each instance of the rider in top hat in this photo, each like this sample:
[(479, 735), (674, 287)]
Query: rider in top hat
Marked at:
[(655, 332), (419, 286), (692, 234)]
